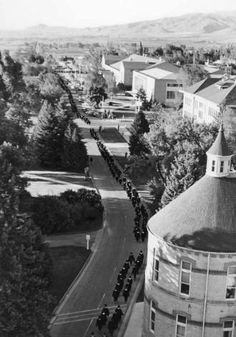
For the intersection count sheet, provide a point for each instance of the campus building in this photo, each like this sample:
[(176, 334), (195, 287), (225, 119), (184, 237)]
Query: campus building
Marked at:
[(203, 100), (123, 69), (160, 82), (190, 277)]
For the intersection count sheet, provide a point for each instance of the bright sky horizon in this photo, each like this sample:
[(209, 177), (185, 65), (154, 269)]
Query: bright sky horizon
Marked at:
[(20, 14)]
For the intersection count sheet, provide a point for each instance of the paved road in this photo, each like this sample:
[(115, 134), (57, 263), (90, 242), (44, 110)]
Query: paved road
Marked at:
[(79, 312)]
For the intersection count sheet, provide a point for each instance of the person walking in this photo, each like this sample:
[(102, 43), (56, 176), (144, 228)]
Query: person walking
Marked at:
[(119, 311), (131, 258), (129, 280), (134, 271), (99, 323), (111, 327), (115, 295), (126, 294), (143, 235), (103, 318), (105, 310), (137, 234), (118, 286), (120, 277)]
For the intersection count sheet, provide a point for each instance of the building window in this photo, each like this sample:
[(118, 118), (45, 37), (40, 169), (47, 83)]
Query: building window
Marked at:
[(213, 165), (231, 283), (228, 329), (170, 95), (181, 325), (185, 277), (174, 85), (155, 276), (152, 317), (221, 166)]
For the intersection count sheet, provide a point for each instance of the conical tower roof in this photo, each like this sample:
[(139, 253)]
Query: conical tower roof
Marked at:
[(220, 146), (204, 216)]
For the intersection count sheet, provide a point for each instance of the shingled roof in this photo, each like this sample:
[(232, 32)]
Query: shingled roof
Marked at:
[(202, 218), (220, 146)]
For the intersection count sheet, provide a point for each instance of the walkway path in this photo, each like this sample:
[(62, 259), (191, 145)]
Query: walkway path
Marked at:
[(116, 240)]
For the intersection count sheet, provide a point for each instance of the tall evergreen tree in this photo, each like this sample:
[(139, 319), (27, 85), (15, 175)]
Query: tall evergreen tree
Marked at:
[(49, 135), (138, 145), (24, 262), (74, 151), (140, 124)]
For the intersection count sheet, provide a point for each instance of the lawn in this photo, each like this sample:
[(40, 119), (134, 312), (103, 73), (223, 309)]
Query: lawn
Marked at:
[(67, 263)]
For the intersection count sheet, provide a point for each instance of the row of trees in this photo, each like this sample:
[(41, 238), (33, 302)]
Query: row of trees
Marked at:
[(58, 143), (25, 303), (25, 265)]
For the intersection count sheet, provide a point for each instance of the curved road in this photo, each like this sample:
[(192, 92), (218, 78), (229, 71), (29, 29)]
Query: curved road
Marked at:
[(78, 314)]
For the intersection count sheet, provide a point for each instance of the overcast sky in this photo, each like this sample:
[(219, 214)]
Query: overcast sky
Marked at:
[(15, 14)]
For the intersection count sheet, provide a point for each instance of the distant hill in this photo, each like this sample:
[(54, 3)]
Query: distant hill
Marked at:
[(220, 27)]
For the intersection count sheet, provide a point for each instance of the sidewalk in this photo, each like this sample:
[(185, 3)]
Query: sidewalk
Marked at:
[(135, 325)]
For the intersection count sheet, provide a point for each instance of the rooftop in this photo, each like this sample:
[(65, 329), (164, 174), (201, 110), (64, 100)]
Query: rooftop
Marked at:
[(109, 59), (220, 146), (215, 90), (162, 70), (135, 60), (202, 218)]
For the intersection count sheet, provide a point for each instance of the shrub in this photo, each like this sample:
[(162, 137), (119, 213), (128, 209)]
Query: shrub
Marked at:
[(51, 214), (68, 212)]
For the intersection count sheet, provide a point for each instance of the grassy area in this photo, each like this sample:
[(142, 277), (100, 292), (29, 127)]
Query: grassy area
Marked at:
[(112, 135), (67, 263)]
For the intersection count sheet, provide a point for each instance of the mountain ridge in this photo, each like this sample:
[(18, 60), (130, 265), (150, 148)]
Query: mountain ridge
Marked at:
[(219, 26)]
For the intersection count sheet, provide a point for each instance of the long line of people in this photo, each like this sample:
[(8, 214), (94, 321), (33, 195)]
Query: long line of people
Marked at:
[(122, 282), (72, 102), (141, 214)]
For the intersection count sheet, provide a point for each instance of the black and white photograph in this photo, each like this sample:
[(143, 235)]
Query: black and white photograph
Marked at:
[(117, 168)]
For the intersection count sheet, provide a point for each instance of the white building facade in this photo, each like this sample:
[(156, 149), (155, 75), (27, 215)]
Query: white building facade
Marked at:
[(190, 278), (202, 101)]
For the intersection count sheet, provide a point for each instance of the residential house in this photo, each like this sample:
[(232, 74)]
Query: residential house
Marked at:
[(203, 100), (160, 82)]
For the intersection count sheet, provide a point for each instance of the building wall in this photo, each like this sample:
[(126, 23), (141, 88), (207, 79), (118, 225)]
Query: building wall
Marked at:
[(128, 70), (117, 74), (161, 89), (168, 300), (145, 82), (157, 89), (199, 108)]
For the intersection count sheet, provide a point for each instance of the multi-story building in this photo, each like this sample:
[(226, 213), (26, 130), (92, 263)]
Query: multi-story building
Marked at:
[(203, 100), (160, 82), (123, 69), (190, 278)]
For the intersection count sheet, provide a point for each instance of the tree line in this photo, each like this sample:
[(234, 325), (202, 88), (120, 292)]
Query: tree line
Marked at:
[(29, 90)]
